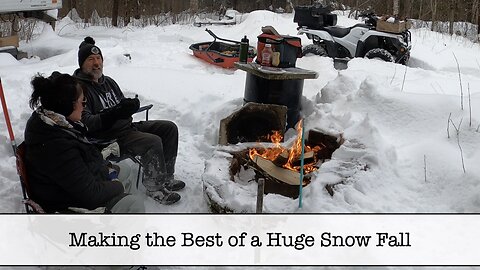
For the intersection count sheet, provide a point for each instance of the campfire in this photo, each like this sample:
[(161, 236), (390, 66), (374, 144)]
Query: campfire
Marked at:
[(288, 159), (280, 165), (255, 134)]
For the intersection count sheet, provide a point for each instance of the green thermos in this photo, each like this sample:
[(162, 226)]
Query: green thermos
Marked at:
[(244, 50)]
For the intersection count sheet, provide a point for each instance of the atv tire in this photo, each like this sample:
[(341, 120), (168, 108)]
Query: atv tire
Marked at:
[(381, 54), (404, 59), (314, 49)]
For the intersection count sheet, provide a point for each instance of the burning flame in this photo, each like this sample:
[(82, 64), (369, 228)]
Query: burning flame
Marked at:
[(294, 153)]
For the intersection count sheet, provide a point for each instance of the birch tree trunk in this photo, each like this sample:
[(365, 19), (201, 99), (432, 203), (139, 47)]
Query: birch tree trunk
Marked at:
[(396, 7)]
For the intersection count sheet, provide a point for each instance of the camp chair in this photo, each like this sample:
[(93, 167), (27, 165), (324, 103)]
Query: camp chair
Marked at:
[(134, 158), (30, 205), (102, 144)]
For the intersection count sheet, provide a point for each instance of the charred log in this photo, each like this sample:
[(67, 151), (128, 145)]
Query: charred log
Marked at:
[(327, 143)]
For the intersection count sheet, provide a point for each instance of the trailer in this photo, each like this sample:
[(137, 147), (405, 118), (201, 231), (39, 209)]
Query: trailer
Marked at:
[(17, 6), (44, 10)]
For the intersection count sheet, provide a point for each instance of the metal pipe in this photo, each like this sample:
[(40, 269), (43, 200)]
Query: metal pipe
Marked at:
[(260, 190), (302, 163)]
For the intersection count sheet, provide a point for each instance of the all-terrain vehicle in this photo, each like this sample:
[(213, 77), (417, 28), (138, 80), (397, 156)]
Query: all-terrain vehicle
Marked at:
[(360, 40)]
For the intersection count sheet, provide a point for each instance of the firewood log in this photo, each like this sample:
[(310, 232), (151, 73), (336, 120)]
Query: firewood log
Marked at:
[(280, 174), (282, 159)]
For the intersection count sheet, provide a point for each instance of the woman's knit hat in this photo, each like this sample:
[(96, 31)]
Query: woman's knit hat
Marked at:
[(87, 48)]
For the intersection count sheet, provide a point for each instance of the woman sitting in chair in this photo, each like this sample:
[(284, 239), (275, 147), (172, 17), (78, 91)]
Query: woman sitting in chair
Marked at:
[(64, 168)]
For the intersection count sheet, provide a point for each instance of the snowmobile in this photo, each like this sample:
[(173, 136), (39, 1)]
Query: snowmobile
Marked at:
[(360, 40)]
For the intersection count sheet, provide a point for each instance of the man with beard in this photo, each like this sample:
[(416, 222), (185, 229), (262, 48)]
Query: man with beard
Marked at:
[(108, 116)]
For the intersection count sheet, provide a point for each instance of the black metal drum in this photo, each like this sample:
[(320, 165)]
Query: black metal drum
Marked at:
[(281, 92)]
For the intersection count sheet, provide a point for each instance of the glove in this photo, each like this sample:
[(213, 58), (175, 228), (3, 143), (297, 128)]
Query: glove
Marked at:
[(111, 149), (128, 106), (122, 110), (112, 174)]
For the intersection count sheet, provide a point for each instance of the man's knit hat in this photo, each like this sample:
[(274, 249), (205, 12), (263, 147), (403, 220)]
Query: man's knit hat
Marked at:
[(87, 48)]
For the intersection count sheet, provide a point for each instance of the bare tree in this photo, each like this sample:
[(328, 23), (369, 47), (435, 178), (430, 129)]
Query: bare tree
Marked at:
[(126, 17), (396, 7), (452, 8), (433, 5), (477, 21), (420, 10), (434, 10), (116, 5), (136, 9), (474, 18), (194, 5), (457, 129), (408, 8)]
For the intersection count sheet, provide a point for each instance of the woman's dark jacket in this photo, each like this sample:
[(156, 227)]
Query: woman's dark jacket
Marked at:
[(64, 169)]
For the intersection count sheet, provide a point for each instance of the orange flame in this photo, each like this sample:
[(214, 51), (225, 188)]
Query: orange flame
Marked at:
[(294, 152)]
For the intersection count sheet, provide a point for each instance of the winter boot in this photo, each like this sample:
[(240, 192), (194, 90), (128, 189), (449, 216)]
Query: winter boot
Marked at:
[(158, 191), (156, 181), (174, 185), (163, 196)]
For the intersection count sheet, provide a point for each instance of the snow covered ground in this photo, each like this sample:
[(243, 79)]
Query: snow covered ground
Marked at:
[(391, 125)]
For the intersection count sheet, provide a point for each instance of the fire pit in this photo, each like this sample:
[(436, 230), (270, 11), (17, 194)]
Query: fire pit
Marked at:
[(234, 170), (253, 122)]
